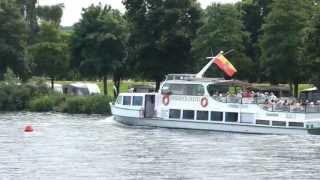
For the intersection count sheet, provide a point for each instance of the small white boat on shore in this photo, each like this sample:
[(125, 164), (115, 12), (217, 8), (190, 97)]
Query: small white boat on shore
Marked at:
[(190, 101)]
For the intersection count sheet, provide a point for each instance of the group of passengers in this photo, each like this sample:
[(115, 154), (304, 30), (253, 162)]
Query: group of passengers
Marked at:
[(269, 100)]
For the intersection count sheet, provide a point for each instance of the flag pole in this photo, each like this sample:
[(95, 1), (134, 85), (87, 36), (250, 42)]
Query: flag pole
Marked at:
[(206, 67)]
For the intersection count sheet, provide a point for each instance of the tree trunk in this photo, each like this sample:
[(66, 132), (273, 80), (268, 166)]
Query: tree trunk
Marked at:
[(116, 82), (105, 90), (291, 88), (52, 83), (158, 85), (296, 89)]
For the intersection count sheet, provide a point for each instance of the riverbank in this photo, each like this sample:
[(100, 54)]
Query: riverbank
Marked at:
[(35, 96)]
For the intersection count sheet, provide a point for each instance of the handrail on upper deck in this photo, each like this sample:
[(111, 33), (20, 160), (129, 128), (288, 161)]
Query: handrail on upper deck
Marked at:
[(305, 108)]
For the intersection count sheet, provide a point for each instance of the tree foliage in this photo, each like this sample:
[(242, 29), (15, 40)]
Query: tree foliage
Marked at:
[(312, 50), (254, 14), (161, 35), (29, 12), (50, 54), (99, 42), (13, 36), (51, 14), (282, 41), (222, 31)]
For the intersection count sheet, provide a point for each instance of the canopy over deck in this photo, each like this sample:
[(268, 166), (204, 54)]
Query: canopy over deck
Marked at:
[(278, 90)]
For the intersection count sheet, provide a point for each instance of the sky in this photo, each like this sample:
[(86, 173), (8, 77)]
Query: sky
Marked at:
[(72, 10)]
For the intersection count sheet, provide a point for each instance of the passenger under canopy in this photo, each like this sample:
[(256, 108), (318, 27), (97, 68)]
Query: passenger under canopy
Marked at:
[(223, 86)]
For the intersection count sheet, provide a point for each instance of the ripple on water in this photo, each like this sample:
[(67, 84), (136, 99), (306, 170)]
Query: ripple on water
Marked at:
[(95, 147)]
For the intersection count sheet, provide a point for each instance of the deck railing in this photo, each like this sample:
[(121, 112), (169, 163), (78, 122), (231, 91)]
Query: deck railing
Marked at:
[(277, 107)]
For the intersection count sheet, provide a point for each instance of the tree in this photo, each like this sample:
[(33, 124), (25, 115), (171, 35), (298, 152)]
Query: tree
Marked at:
[(99, 42), (312, 50), (160, 36), (29, 11), (49, 56), (282, 41), (12, 39), (51, 14), (222, 31), (254, 13)]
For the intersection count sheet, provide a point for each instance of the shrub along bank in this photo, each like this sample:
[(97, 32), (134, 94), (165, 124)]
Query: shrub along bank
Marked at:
[(35, 96), (97, 104)]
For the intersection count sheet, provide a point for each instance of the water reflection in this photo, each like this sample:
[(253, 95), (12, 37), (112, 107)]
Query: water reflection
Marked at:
[(96, 147)]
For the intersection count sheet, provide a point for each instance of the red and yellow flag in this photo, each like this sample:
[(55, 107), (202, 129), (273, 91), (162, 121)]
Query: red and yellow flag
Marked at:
[(224, 65)]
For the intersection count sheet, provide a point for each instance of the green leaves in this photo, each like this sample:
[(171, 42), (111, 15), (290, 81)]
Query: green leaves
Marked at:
[(99, 41), (160, 36), (222, 31), (282, 40), (13, 36), (50, 55), (51, 14)]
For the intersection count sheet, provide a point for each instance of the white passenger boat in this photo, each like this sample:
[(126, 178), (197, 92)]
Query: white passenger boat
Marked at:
[(190, 101)]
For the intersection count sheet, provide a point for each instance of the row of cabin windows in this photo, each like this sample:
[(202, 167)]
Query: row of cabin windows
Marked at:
[(218, 116), (203, 115), (127, 100), (279, 123)]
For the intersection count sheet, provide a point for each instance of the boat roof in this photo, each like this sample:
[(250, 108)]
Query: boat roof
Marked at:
[(191, 79)]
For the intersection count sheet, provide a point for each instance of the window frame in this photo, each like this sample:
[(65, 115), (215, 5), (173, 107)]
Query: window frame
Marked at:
[(216, 120), (226, 117), (280, 123), (133, 98), (123, 100), (183, 115), (119, 100), (175, 110), (207, 112)]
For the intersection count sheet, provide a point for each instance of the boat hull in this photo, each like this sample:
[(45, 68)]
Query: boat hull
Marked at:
[(212, 126)]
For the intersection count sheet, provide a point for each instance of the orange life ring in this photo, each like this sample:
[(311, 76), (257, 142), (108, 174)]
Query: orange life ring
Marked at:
[(165, 100), (204, 102)]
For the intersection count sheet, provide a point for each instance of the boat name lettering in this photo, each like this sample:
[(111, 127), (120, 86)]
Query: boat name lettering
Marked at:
[(185, 98), (272, 114), (234, 106), (290, 116)]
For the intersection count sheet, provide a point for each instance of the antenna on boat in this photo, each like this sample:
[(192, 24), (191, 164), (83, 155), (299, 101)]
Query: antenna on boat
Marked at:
[(206, 67)]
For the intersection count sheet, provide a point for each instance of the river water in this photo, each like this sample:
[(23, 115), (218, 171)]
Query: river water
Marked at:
[(95, 147)]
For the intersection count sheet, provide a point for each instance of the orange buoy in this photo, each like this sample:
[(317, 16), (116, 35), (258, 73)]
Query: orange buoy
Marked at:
[(28, 128)]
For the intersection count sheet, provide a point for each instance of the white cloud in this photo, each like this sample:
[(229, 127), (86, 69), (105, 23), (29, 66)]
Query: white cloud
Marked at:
[(73, 8)]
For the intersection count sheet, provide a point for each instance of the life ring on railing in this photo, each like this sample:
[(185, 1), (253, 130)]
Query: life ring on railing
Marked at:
[(204, 102), (165, 100)]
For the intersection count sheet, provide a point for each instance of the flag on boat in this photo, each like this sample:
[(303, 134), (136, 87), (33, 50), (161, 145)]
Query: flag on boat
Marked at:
[(224, 65)]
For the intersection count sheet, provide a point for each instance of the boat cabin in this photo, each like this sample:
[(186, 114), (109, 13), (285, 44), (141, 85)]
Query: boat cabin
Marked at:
[(139, 104)]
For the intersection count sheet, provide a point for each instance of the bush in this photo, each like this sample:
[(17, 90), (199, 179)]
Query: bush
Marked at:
[(42, 104), (15, 96), (46, 103), (97, 104)]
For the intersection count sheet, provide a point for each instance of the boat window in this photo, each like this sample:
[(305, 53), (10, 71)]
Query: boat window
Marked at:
[(202, 115), (188, 114), (216, 89), (278, 123), (174, 113), (183, 89), (296, 124), (216, 116), (126, 100), (137, 100), (231, 117), (119, 100), (262, 122)]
